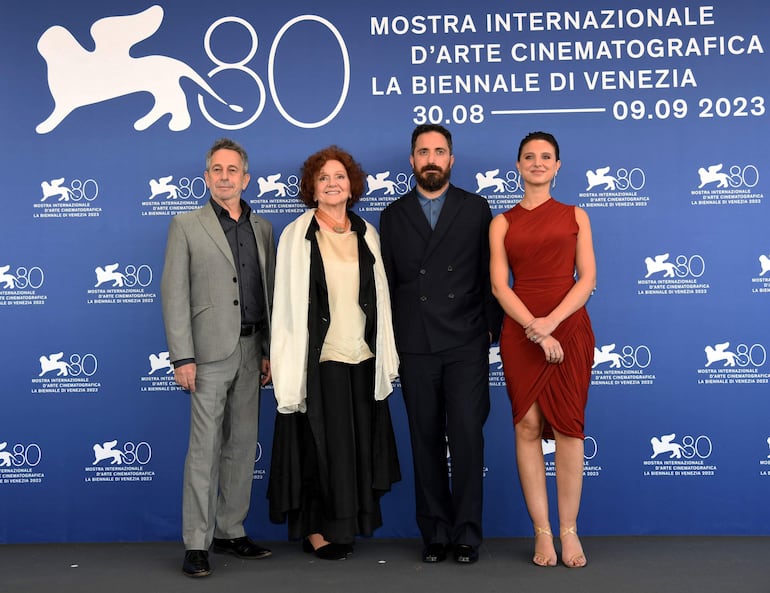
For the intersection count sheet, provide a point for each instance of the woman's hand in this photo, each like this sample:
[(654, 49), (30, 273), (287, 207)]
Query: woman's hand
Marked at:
[(539, 328), (552, 348)]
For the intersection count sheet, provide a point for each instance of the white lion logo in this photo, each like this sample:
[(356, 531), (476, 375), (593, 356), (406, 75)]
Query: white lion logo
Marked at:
[(764, 262), (666, 444), (6, 279), (5, 456), (494, 357), (54, 188), (606, 354), (720, 352), (659, 264), (159, 362), (600, 177), (107, 451), (78, 77), (271, 183), (712, 175), (490, 179), (381, 181), (53, 362), (163, 185), (109, 274)]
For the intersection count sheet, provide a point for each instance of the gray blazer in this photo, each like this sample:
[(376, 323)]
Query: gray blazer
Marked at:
[(199, 288)]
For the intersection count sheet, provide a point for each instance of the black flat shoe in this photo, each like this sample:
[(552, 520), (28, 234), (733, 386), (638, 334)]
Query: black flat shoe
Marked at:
[(434, 553), (241, 547), (332, 552), (196, 563), (465, 554)]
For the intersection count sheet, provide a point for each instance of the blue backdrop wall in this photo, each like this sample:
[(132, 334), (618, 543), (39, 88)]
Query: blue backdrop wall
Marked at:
[(107, 109)]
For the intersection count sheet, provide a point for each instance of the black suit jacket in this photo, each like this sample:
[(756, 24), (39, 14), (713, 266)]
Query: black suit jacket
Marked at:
[(439, 279)]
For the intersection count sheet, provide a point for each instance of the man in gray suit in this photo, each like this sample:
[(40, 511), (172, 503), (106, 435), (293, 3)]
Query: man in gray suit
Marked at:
[(217, 292)]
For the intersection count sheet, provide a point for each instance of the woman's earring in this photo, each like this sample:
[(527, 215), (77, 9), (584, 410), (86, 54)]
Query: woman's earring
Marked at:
[(553, 183)]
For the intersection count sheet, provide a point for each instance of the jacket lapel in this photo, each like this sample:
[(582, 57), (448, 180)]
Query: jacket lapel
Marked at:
[(449, 211), (416, 217), (259, 238), (211, 225)]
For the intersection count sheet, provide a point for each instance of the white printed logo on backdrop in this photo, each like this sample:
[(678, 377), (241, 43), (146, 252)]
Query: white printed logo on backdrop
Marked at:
[(591, 467), (686, 456), (665, 274), (18, 464), (160, 374), (764, 462), (502, 188), (610, 187), (118, 286), (67, 198), (761, 282), (169, 196), (622, 365), (20, 285), (62, 373), (734, 364), (78, 77), (260, 472), (383, 187), (496, 376), (113, 462), (276, 196), (722, 184)]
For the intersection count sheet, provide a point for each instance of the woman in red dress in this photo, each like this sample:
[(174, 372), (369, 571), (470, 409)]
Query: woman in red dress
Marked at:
[(547, 341)]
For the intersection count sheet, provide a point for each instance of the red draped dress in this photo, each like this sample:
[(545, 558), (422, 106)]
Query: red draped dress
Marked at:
[(541, 244)]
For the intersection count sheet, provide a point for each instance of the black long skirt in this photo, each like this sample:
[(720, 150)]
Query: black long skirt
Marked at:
[(331, 466)]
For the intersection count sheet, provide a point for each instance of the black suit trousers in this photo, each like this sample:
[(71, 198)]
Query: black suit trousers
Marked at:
[(447, 402)]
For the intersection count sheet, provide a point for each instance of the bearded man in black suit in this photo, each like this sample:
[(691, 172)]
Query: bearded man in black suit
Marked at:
[(435, 247)]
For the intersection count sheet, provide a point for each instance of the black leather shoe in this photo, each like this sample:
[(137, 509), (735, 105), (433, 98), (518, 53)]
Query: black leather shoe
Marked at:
[(466, 554), (434, 553), (242, 547), (332, 551), (196, 563), (329, 551)]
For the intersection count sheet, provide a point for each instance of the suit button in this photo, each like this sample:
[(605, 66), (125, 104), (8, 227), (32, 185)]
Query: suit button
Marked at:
[(235, 279), (450, 269), (235, 302), (423, 298), (422, 272), (451, 295)]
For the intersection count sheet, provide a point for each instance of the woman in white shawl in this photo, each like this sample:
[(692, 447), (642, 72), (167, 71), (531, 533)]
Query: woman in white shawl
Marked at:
[(333, 359)]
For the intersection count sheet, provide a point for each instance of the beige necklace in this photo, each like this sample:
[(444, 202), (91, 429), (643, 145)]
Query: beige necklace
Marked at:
[(338, 226)]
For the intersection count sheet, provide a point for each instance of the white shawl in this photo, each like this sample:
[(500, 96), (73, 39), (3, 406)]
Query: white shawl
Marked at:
[(289, 328)]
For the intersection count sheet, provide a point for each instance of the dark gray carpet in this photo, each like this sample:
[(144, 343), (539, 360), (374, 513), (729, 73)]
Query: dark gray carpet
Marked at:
[(615, 564)]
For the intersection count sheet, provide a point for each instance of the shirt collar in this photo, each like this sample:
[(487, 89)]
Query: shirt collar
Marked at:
[(221, 212)]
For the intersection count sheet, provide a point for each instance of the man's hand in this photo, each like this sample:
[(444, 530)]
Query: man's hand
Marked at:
[(267, 375), (185, 376)]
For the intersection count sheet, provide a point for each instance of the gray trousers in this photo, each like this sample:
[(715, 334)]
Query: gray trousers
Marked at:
[(219, 468)]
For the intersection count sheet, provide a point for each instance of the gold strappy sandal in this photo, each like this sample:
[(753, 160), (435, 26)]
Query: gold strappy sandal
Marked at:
[(541, 559), (576, 560)]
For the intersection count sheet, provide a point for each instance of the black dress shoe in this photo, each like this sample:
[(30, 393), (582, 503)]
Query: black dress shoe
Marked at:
[(332, 551), (434, 553), (196, 563), (466, 554), (242, 547)]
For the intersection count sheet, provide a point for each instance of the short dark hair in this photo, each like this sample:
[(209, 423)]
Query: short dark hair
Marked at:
[(539, 136), (313, 164), (424, 128), (227, 144)]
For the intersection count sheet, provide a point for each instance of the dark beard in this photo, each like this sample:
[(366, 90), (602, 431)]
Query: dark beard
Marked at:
[(432, 182)]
